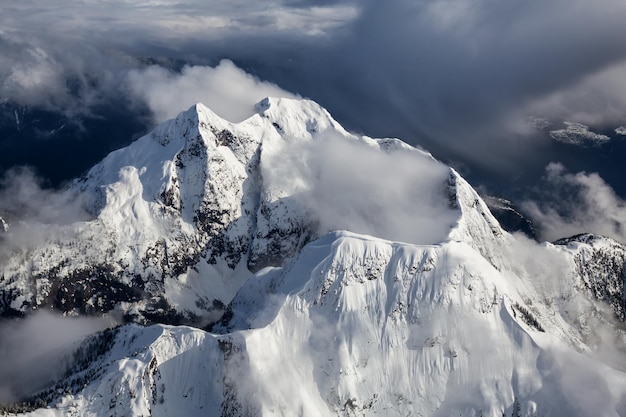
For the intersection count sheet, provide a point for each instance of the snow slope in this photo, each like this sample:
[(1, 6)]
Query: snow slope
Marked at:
[(359, 326)]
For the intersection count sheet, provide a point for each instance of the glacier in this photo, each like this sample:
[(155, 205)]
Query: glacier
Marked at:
[(283, 266)]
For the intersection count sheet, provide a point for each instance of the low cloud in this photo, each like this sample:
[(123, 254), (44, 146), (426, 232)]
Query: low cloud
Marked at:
[(545, 267), (577, 203), (23, 197), (226, 89), (33, 350), (32, 213), (346, 184)]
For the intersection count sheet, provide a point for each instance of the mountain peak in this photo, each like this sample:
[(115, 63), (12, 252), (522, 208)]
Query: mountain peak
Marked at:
[(297, 118)]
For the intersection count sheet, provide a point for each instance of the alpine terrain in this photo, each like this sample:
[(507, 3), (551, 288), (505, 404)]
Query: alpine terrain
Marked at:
[(282, 266)]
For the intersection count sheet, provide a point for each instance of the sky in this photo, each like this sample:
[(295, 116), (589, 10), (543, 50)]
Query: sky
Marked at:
[(480, 83)]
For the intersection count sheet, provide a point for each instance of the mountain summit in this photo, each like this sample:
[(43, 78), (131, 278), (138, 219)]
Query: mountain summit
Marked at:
[(325, 274)]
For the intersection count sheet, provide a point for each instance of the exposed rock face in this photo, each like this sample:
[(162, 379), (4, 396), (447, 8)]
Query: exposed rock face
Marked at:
[(599, 264)]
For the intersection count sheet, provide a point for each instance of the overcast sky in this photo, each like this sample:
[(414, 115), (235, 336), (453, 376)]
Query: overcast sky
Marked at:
[(450, 70)]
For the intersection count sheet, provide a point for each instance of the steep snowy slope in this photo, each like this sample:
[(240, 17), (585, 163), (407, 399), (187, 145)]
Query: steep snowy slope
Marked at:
[(357, 326)]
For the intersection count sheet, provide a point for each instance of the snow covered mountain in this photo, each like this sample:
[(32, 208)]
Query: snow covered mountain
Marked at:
[(200, 197), (334, 274)]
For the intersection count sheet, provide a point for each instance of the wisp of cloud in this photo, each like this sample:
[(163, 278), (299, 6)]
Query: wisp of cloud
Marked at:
[(345, 184), (581, 203), (33, 350), (226, 89)]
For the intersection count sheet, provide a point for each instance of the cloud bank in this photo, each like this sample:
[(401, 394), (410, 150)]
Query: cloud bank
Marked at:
[(344, 184), (226, 89), (34, 350), (579, 203), (22, 196)]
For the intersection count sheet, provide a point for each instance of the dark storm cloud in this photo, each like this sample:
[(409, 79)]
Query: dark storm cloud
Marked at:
[(461, 70), (455, 72)]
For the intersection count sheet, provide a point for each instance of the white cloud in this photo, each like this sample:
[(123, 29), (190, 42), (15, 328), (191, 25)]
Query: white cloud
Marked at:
[(227, 90), (345, 184), (22, 196), (544, 266), (597, 99), (580, 203)]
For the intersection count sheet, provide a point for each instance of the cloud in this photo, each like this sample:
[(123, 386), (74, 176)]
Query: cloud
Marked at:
[(75, 59), (548, 269), (598, 98), (33, 350), (577, 203), (460, 71), (227, 90), (460, 77), (23, 197), (33, 212), (344, 184), (37, 71)]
